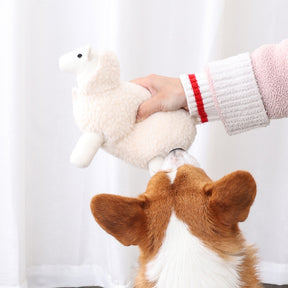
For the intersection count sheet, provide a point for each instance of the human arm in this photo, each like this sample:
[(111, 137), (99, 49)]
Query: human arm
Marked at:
[(244, 91)]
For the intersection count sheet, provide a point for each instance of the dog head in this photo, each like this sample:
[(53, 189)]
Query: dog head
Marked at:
[(210, 211)]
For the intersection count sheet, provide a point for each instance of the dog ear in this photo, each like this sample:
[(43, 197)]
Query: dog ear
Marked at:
[(231, 197), (122, 217)]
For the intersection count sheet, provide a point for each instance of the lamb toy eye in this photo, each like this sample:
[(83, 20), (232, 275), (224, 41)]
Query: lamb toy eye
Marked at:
[(79, 55)]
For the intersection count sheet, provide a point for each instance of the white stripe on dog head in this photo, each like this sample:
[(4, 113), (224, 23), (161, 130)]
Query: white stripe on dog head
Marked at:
[(184, 261)]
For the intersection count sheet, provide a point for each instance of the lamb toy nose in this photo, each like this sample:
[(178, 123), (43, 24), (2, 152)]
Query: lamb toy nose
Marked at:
[(69, 62), (176, 158), (63, 62)]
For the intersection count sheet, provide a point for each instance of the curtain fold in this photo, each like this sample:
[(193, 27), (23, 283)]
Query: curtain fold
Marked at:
[(12, 150), (48, 237)]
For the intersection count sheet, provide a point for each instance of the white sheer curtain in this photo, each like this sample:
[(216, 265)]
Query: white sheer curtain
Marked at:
[(47, 235)]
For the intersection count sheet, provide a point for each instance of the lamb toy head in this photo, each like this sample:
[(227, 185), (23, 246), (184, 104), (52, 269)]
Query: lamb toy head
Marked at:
[(95, 70), (78, 60), (105, 110)]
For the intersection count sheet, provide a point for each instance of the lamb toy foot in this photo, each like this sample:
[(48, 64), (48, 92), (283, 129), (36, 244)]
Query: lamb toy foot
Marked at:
[(105, 109), (176, 158), (85, 149)]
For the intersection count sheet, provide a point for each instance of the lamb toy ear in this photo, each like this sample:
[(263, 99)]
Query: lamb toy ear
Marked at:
[(87, 52)]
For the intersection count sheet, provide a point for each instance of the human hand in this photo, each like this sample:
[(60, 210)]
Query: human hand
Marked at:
[(167, 95)]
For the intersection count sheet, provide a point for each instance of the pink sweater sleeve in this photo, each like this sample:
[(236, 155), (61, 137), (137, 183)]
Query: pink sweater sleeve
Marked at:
[(270, 65), (244, 91)]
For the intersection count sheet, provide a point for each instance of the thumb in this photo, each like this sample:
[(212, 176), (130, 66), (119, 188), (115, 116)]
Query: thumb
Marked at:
[(148, 107)]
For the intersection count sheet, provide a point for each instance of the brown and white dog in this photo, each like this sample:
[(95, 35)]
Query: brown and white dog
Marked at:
[(186, 227)]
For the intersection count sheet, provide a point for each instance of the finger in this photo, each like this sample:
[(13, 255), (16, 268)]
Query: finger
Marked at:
[(144, 82), (148, 107)]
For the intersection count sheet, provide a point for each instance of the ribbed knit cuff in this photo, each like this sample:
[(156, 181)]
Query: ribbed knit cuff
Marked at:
[(236, 94), (199, 97)]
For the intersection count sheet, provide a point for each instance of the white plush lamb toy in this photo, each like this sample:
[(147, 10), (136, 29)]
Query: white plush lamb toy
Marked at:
[(105, 110)]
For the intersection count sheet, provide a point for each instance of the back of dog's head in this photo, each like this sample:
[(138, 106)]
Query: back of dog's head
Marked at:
[(211, 210)]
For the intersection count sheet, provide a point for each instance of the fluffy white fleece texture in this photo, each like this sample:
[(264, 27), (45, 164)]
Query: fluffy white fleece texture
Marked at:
[(105, 111)]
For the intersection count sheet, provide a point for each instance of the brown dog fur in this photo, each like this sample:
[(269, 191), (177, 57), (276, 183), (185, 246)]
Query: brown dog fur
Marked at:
[(212, 211)]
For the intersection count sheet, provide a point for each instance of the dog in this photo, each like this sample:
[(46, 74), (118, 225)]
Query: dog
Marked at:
[(186, 227)]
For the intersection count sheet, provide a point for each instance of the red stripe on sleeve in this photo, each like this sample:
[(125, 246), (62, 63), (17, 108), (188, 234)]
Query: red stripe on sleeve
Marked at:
[(198, 98)]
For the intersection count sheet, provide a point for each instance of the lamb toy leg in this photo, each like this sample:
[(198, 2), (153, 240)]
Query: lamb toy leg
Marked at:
[(176, 158), (85, 149)]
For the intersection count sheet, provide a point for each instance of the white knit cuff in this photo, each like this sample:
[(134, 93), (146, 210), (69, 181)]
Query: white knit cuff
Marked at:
[(199, 97), (236, 94)]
